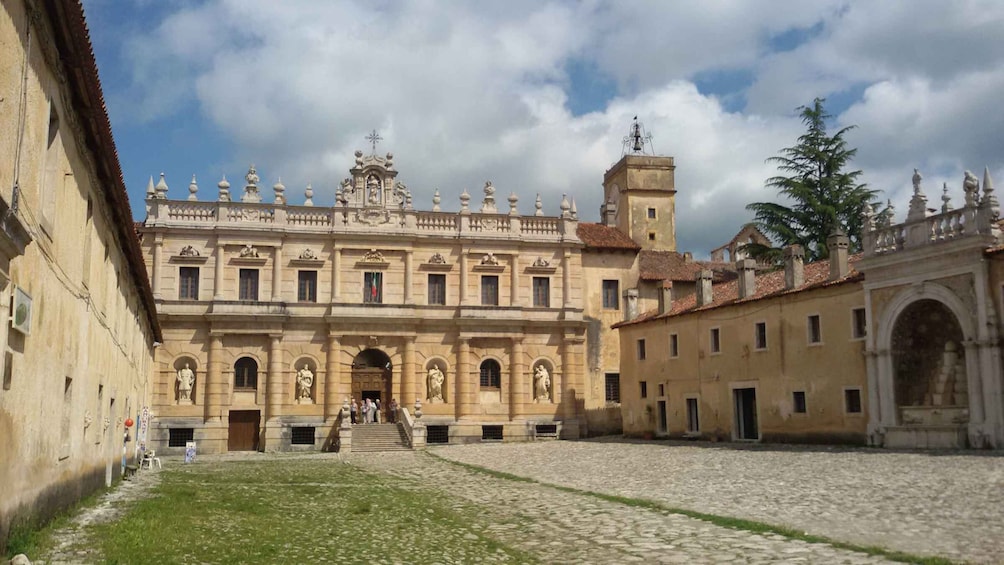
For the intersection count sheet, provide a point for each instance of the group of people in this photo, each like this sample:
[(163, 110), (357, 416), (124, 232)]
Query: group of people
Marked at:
[(369, 412)]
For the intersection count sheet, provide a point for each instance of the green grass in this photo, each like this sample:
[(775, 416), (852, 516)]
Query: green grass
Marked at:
[(723, 521), (34, 537), (294, 512)]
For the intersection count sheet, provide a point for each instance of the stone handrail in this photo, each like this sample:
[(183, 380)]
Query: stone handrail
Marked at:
[(407, 423), (936, 228), (192, 211)]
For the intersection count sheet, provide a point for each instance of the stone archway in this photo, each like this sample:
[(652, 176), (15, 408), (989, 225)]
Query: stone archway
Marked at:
[(372, 377), (929, 365)]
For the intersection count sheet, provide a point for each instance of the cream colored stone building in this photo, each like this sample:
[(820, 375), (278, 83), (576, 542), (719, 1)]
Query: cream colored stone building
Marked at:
[(372, 295), (78, 345)]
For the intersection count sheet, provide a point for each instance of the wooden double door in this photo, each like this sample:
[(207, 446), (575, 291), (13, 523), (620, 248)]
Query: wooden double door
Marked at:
[(244, 430), (374, 384)]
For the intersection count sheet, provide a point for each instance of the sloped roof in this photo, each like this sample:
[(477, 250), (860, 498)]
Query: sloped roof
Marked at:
[(673, 266), (768, 285), (599, 236)]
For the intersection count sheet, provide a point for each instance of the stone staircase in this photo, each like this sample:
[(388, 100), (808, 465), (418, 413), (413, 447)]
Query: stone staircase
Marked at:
[(378, 437)]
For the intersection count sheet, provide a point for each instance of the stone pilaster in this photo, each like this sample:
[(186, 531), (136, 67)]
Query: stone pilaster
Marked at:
[(332, 380), (462, 394), (277, 274), (408, 277), (409, 386), (517, 384), (566, 279), (157, 271), (218, 273), (274, 389), (336, 277), (214, 379), (514, 297), (463, 278)]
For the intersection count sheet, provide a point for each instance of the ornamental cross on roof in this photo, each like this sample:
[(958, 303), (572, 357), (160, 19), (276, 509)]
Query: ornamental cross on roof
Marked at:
[(374, 138), (637, 139)]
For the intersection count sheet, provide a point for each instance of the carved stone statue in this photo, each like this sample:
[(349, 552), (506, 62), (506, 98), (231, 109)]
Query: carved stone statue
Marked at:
[(374, 256), (949, 386), (304, 382), (436, 379), (541, 384), (249, 251), (971, 186), (489, 259), (373, 189), (186, 380), (541, 262), (437, 259), (189, 251), (308, 253)]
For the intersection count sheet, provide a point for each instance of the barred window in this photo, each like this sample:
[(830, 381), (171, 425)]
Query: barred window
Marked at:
[(306, 287), (248, 289), (490, 290), (491, 374), (613, 387), (437, 289), (188, 283), (541, 292)]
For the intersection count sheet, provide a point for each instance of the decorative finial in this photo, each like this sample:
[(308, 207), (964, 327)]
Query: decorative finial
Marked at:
[(539, 205), (971, 186), (565, 206), (946, 199), (435, 201), (308, 194), (193, 187), (989, 199), (224, 186), (636, 139), (575, 212), (150, 191), (161, 188), (513, 199), (465, 200), (280, 190), (374, 138)]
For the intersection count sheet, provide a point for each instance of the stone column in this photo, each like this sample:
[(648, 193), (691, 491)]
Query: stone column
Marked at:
[(566, 279), (336, 268), (461, 378), (214, 379), (409, 387), (463, 277), (517, 386), (277, 274), (332, 379), (218, 273), (514, 281), (275, 384), (156, 273), (408, 279)]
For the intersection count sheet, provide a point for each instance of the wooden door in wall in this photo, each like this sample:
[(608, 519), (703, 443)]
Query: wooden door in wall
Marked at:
[(243, 433), (373, 384)]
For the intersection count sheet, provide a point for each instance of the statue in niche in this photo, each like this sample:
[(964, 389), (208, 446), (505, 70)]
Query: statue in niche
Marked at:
[(189, 251), (541, 384), (373, 189), (249, 251), (304, 382), (436, 379), (186, 380)]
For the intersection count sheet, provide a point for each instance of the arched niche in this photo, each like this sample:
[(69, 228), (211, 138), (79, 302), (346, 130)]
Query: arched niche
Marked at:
[(542, 380), (928, 358), (305, 380), (436, 386), (184, 379)]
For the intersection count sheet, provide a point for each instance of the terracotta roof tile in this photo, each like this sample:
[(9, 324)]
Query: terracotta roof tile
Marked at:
[(599, 236), (767, 285), (673, 266)]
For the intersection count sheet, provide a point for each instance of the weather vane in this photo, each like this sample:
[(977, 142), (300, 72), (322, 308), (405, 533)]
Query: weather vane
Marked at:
[(637, 138), (374, 138)]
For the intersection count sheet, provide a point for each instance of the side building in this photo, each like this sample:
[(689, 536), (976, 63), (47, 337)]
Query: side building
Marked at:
[(753, 358), (77, 318)]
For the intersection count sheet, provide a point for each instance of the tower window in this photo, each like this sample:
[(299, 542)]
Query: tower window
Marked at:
[(651, 213)]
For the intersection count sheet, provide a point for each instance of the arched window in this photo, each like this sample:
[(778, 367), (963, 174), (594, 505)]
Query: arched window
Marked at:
[(491, 374), (245, 374)]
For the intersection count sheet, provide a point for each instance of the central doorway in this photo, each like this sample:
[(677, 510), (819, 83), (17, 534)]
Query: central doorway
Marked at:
[(745, 405), (244, 432), (372, 378)]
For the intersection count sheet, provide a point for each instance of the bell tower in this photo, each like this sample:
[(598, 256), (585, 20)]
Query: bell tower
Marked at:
[(639, 193)]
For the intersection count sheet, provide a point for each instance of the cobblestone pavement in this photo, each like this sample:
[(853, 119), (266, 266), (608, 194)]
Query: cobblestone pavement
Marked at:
[(563, 527), (949, 505)]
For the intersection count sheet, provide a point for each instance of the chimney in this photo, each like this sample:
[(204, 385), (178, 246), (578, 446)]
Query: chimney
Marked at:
[(837, 245), (666, 297), (747, 277), (609, 213), (704, 295), (794, 272), (630, 303)]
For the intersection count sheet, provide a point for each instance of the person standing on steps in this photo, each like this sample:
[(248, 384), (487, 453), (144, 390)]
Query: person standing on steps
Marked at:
[(353, 410)]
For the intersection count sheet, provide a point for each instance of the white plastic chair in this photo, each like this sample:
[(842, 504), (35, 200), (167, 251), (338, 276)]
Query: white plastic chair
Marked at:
[(149, 458)]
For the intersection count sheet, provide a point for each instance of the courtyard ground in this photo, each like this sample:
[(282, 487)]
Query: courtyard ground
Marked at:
[(580, 502)]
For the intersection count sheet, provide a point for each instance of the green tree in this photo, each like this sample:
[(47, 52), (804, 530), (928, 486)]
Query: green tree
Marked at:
[(821, 196)]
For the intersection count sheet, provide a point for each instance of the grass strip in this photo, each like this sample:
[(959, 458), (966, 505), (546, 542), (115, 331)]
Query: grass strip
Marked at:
[(723, 521)]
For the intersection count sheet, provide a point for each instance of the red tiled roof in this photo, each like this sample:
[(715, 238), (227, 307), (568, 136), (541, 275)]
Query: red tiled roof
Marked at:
[(673, 266), (599, 236), (767, 285)]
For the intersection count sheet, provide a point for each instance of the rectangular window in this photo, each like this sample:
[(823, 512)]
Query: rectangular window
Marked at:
[(760, 335), (491, 433), (489, 290), (541, 292), (662, 390), (852, 400), (644, 389), (693, 424), (674, 345), (859, 327), (178, 437), (306, 286), (302, 435), (613, 387), (188, 283), (373, 288), (437, 289), (641, 349), (815, 335), (248, 289), (611, 295), (716, 340), (651, 213), (798, 401)]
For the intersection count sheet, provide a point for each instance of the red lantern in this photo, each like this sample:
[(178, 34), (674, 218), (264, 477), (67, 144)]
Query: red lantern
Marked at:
[(128, 422)]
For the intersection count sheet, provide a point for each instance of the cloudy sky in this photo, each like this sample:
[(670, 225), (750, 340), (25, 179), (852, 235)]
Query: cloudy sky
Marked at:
[(537, 96)]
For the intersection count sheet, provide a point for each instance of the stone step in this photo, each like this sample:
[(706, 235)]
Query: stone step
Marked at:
[(378, 437)]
